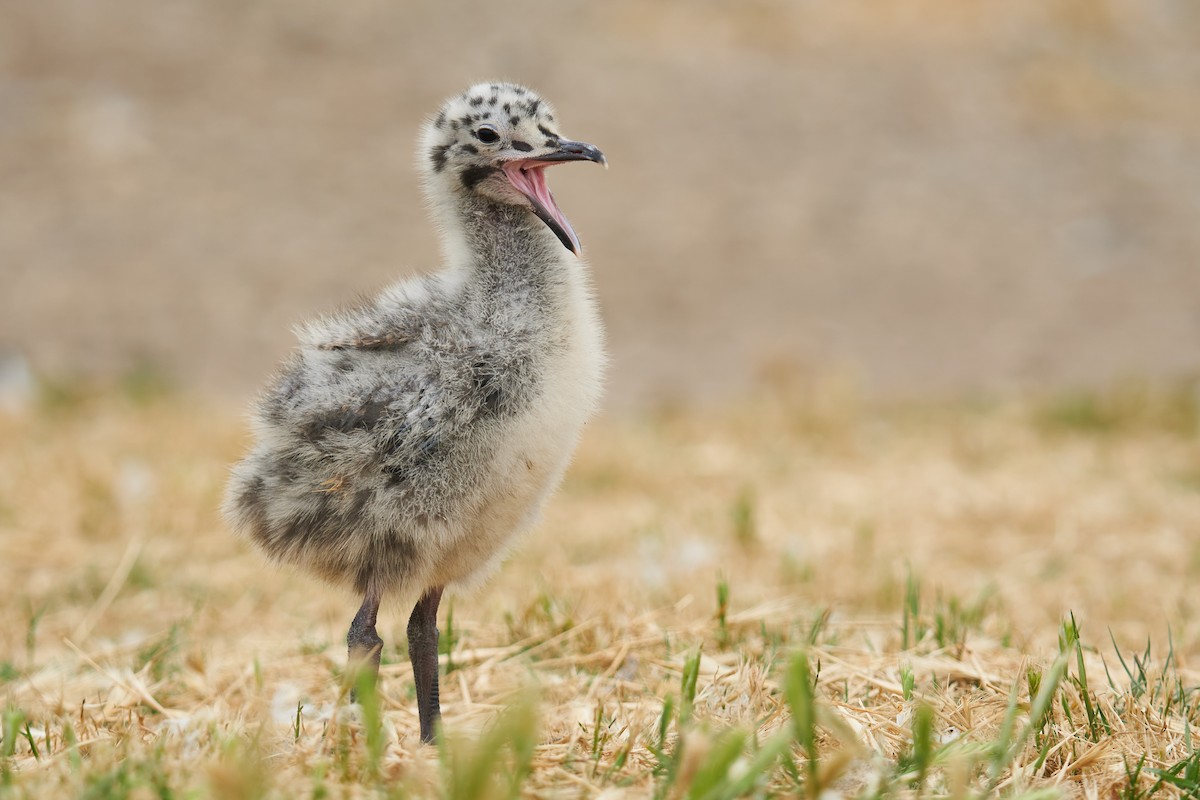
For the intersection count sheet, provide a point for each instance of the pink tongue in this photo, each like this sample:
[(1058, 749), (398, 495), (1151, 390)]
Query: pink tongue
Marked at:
[(531, 182)]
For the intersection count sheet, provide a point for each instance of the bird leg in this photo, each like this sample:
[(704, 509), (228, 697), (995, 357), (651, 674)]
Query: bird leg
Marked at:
[(423, 651), (364, 643)]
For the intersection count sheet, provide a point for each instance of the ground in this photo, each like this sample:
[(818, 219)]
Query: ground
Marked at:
[(794, 594)]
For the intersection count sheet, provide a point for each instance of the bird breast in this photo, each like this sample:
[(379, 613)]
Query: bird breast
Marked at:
[(535, 447)]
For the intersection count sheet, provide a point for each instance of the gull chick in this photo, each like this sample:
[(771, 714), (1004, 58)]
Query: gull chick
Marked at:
[(406, 442)]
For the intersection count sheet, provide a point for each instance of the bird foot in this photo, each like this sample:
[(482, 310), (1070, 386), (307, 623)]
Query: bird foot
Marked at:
[(362, 671), (362, 664)]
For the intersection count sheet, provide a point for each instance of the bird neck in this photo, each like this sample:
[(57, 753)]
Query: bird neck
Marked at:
[(507, 251)]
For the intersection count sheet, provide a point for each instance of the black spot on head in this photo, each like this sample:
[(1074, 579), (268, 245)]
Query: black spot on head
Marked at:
[(524, 147), (534, 106), (519, 91), (441, 120), (437, 155), (476, 101), (469, 148), (493, 100), (547, 132), (507, 108), (465, 119), (514, 121), (551, 143), (471, 176), (550, 117)]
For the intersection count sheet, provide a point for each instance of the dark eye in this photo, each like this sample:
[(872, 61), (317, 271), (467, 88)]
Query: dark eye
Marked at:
[(487, 134)]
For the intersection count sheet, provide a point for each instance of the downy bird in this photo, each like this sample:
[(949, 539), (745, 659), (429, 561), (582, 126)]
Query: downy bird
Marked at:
[(406, 442)]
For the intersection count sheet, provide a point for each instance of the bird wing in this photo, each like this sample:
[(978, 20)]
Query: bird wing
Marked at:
[(366, 422), (343, 452), (358, 410)]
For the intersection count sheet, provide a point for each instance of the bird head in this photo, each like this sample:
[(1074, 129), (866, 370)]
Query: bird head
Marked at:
[(496, 140)]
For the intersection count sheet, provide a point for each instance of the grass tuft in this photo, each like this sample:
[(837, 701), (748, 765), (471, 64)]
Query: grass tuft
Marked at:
[(498, 764)]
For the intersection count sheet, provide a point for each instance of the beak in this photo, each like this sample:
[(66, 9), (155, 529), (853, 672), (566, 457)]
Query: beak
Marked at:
[(527, 175), (575, 151)]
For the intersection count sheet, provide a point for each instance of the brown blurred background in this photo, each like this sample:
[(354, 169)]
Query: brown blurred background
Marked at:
[(932, 196)]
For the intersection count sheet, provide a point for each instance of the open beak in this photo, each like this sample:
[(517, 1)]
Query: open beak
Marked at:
[(528, 176)]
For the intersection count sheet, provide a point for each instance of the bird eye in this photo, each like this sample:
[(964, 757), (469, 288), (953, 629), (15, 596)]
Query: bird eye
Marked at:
[(487, 134)]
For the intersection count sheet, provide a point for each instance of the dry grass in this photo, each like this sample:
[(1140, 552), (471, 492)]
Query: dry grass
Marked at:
[(926, 559)]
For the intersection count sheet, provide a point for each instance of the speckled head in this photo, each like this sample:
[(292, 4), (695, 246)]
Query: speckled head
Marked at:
[(496, 140)]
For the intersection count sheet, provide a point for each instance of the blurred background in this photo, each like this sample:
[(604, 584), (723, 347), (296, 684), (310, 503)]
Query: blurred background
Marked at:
[(929, 197)]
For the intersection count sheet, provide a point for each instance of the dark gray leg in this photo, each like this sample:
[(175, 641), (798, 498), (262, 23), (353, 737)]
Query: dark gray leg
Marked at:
[(423, 651), (364, 643)]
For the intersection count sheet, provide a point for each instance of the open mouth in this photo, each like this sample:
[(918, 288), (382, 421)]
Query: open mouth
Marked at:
[(528, 176)]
